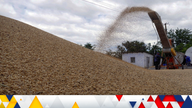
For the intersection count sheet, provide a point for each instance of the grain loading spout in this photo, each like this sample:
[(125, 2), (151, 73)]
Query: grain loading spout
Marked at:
[(157, 20), (168, 50)]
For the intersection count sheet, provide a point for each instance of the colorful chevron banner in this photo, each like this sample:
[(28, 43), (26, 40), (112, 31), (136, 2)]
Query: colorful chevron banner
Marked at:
[(95, 101)]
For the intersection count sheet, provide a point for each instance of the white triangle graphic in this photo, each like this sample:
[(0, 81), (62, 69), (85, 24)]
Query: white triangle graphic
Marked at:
[(115, 103), (47, 106), (5, 104), (46, 100), (32, 97), (190, 96), (175, 105), (18, 98), (123, 104), (115, 99), (26, 103), (154, 97), (57, 103), (184, 97), (148, 104), (122, 99), (165, 104), (107, 103), (24, 98), (100, 99), (112, 97), (154, 106)]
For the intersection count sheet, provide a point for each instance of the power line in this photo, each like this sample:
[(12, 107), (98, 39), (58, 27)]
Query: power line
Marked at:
[(110, 8), (100, 5), (155, 31), (119, 11)]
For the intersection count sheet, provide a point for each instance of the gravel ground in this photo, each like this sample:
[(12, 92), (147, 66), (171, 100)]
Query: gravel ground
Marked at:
[(35, 62)]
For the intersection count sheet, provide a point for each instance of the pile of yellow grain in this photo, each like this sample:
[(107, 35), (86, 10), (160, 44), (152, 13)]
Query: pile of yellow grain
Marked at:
[(36, 62)]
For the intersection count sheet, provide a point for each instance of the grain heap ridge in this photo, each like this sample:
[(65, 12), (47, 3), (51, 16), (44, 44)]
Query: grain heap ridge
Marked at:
[(36, 62)]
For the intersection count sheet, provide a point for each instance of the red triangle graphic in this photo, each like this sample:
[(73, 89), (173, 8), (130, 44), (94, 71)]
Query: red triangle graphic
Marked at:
[(119, 97), (169, 98), (169, 105), (150, 99), (180, 103), (159, 103), (141, 105)]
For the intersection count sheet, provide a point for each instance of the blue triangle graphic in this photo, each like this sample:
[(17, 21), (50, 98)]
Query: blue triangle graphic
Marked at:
[(9, 97), (178, 98), (161, 97), (17, 105), (132, 103), (187, 103)]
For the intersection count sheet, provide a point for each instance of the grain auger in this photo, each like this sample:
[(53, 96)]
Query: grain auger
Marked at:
[(173, 60)]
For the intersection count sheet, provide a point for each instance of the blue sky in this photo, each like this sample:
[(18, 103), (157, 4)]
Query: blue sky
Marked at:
[(82, 21)]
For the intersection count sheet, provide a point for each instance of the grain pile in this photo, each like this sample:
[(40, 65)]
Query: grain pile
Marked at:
[(36, 62)]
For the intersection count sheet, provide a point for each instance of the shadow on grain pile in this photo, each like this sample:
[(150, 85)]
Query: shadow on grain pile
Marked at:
[(36, 62)]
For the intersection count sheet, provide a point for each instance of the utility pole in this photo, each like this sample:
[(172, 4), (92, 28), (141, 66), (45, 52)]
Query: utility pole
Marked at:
[(166, 27)]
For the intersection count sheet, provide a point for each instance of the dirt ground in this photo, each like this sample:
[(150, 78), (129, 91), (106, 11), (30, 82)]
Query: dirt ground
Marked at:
[(35, 62)]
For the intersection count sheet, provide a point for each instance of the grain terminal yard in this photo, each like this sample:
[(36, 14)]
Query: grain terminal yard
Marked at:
[(36, 62)]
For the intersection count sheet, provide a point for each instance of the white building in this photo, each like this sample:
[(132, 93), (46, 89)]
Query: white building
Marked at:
[(144, 60)]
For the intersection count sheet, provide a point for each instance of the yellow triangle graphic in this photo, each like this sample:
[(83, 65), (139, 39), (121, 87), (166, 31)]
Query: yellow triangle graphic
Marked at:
[(11, 104), (4, 98), (75, 105), (36, 103), (2, 106), (13, 99)]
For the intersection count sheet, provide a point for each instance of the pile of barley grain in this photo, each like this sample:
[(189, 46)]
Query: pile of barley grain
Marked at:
[(35, 62)]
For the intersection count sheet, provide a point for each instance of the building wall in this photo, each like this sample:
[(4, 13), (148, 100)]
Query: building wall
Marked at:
[(140, 59), (150, 60)]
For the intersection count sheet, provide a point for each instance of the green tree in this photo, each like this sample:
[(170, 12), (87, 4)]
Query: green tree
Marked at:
[(133, 46), (148, 46), (127, 47), (116, 54), (89, 46), (182, 39), (155, 49)]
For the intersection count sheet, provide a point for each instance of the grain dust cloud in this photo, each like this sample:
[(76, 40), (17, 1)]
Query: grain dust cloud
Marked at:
[(121, 28)]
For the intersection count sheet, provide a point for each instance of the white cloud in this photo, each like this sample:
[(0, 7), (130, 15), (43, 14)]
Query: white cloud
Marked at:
[(7, 9), (80, 21), (37, 1), (45, 17)]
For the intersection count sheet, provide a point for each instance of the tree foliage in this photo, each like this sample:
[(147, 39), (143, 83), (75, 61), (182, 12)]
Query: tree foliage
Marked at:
[(89, 46), (154, 49), (117, 54), (131, 47), (134, 46), (182, 39)]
